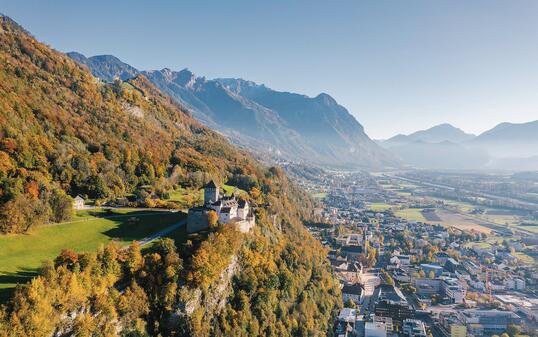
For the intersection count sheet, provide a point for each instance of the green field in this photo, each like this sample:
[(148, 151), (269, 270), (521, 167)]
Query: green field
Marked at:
[(378, 206), (411, 214), (21, 255)]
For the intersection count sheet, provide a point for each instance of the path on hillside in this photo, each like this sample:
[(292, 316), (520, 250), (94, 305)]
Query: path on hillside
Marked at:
[(163, 232)]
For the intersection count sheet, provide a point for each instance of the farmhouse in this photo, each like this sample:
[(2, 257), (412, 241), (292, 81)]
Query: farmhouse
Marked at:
[(78, 202)]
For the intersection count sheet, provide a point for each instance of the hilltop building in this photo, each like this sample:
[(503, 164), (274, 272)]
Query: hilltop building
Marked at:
[(228, 209)]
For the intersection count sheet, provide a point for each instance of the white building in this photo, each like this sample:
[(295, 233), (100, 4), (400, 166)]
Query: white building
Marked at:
[(414, 328), (353, 292), (78, 202), (375, 329)]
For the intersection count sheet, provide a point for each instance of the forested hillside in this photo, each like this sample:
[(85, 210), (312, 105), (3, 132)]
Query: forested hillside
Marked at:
[(62, 132)]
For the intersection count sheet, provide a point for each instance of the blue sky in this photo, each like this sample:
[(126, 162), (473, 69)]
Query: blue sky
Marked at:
[(398, 66)]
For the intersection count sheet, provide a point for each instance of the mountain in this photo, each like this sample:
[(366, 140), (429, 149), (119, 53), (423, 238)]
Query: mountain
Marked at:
[(436, 134), (511, 140), (507, 146), (292, 126), (439, 147), (511, 132), (106, 67), (62, 132)]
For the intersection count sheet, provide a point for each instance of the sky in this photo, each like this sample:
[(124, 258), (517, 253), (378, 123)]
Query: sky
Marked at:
[(397, 66)]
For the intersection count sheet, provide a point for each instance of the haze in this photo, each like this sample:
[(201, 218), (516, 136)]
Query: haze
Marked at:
[(415, 63)]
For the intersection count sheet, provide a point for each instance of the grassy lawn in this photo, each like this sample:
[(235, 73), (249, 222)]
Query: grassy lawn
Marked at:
[(22, 254), (186, 196)]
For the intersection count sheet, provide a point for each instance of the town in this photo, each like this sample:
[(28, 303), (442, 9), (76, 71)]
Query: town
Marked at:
[(406, 270)]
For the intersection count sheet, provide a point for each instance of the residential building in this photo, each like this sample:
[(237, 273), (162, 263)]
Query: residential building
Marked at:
[(353, 292), (375, 329), (414, 328)]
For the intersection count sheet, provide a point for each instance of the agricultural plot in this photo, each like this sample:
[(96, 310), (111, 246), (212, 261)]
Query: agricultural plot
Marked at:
[(411, 214), (379, 207), (431, 215), (462, 222)]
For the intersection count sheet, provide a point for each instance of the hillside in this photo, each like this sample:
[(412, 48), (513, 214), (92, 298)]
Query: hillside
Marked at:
[(292, 126), (106, 67), (63, 132)]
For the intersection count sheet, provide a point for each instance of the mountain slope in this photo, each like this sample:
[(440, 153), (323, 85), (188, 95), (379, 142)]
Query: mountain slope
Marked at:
[(289, 125), (511, 132), (324, 124), (507, 146), (62, 130), (435, 134), (510, 140), (106, 67)]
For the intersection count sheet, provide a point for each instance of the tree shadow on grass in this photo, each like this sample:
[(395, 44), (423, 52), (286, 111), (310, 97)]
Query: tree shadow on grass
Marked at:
[(22, 276), (139, 224)]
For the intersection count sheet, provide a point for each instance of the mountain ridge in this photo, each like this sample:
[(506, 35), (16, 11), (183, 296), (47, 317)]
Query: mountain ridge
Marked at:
[(296, 127), (505, 146), (434, 134)]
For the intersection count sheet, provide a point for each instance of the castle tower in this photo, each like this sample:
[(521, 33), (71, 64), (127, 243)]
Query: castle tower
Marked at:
[(211, 193)]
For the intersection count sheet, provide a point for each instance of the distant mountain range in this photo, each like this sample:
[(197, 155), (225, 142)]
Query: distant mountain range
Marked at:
[(283, 124), (507, 146), (439, 133)]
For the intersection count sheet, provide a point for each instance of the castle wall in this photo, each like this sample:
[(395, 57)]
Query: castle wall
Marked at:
[(197, 220)]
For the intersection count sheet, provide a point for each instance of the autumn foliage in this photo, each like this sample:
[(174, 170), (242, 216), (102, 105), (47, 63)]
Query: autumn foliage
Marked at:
[(62, 133)]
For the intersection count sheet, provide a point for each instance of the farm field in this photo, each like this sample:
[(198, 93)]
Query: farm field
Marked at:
[(379, 207), (22, 254), (462, 222), (443, 217), (411, 214)]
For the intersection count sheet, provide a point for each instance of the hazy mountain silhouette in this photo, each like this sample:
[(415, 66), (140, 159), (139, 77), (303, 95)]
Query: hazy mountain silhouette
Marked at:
[(293, 126)]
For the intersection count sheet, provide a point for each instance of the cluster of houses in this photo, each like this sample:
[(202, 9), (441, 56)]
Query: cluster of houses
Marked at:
[(396, 296)]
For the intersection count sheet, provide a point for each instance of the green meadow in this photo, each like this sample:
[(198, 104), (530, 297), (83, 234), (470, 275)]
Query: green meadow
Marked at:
[(21, 255)]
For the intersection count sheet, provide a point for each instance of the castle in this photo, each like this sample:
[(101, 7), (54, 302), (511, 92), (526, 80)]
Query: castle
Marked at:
[(228, 209)]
